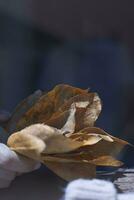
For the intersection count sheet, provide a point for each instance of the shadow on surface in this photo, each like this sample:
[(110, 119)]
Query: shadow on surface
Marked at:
[(38, 185)]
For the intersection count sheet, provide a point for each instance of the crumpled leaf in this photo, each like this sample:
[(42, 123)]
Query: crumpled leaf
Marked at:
[(86, 106), (104, 147), (71, 171), (47, 108), (58, 130), (79, 158), (106, 161), (49, 145), (38, 139), (48, 104)]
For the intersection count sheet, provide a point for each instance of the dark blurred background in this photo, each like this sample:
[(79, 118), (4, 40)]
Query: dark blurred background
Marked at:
[(88, 44)]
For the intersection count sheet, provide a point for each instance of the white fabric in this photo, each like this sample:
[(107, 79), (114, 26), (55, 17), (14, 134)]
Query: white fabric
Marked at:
[(94, 190), (12, 164), (129, 196)]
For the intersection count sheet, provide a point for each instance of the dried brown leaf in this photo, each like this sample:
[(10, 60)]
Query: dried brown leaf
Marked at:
[(106, 161), (82, 158), (87, 109), (71, 171), (48, 104), (105, 147), (61, 135), (39, 138)]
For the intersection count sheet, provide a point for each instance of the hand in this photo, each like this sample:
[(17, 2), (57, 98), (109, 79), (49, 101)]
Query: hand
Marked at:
[(90, 190), (94, 190), (12, 164)]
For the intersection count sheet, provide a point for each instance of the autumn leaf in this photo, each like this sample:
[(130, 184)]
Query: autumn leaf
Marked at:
[(71, 171), (48, 104), (88, 108), (49, 145), (48, 107), (41, 139), (57, 129)]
